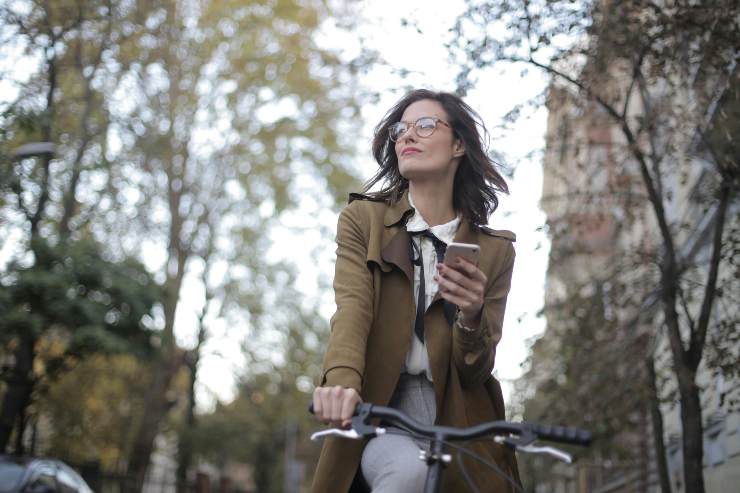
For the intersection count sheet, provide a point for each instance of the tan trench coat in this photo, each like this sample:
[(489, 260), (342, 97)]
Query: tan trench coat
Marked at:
[(372, 328)]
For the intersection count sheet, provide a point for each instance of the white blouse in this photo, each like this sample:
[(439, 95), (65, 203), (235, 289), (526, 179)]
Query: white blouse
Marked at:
[(417, 359)]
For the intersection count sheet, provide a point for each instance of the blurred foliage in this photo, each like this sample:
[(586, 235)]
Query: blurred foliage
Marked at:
[(75, 296), (68, 304), (592, 379), (270, 408), (586, 364), (91, 411)]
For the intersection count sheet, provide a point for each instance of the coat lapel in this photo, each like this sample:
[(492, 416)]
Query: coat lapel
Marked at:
[(466, 233), (396, 238)]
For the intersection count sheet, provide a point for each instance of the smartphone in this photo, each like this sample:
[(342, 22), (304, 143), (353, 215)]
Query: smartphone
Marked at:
[(467, 251)]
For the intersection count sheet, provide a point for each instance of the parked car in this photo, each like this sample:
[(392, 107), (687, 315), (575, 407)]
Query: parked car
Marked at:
[(38, 475)]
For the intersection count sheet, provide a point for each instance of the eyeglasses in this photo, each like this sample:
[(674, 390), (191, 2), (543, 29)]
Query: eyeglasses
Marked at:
[(424, 127)]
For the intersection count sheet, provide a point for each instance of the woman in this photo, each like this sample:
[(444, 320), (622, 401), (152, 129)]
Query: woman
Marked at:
[(409, 331)]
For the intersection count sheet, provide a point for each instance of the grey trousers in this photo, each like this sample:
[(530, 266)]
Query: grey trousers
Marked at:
[(390, 463)]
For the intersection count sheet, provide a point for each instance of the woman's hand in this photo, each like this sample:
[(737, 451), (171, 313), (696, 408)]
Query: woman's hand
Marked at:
[(464, 285), (335, 405)]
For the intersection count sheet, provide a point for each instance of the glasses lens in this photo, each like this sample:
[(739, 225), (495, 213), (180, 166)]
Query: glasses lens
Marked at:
[(425, 126), (397, 129)]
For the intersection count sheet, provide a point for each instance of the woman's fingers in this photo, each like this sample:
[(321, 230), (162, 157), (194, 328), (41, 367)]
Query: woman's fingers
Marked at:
[(335, 405), (467, 270), (335, 400), (466, 305), (318, 408), (350, 401), (322, 403), (463, 285), (467, 277)]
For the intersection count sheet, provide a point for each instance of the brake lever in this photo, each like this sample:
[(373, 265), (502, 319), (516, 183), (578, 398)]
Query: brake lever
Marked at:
[(360, 427), (557, 453), (335, 431), (351, 433), (526, 445)]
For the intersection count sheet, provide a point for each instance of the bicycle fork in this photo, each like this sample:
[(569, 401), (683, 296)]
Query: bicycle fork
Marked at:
[(436, 461)]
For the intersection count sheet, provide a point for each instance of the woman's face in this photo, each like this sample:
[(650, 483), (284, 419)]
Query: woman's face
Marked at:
[(436, 156)]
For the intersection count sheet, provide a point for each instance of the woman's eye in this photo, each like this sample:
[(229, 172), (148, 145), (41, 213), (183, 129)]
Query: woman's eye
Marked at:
[(425, 124)]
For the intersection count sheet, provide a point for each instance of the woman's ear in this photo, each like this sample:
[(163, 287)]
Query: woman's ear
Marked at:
[(458, 148)]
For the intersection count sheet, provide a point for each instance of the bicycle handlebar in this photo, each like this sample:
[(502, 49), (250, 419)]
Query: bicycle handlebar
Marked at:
[(528, 432), (561, 434), (517, 436)]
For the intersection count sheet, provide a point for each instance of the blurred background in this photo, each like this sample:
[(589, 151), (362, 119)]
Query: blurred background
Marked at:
[(170, 177)]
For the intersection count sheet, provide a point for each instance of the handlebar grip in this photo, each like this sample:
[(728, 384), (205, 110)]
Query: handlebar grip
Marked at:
[(562, 434), (310, 407)]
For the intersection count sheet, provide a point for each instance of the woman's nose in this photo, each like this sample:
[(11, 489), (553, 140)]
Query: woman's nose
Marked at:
[(408, 136)]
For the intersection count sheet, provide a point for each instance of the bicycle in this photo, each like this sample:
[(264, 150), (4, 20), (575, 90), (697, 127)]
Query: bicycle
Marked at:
[(518, 436)]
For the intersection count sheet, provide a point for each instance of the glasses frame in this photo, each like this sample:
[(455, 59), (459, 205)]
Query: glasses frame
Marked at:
[(414, 125)]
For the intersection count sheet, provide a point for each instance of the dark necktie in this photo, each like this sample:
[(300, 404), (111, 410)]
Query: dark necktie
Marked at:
[(416, 258)]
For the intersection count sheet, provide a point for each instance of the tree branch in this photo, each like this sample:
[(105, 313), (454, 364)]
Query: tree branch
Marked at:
[(85, 134), (644, 97), (699, 335), (669, 270), (686, 311), (636, 72), (653, 195)]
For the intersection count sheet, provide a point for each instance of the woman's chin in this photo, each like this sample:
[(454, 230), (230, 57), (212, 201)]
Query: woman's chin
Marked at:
[(412, 174), (413, 169), (417, 173)]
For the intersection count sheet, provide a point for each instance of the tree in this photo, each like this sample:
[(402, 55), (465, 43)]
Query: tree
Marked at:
[(228, 132), (267, 425), (68, 304), (51, 287), (91, 410), (662, 74), (62, 102), (580, 372)]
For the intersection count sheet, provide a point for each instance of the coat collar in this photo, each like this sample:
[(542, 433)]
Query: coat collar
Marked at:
[(398, 212), (396, 249), (466, 233)]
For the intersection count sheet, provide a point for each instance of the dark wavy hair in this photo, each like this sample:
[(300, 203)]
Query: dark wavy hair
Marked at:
[(477, 182)]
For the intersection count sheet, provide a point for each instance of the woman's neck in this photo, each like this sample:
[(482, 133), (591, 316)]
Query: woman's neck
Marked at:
[(433, 202)]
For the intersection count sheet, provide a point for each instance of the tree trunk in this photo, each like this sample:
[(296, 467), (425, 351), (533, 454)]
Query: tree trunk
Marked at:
[(264, 465), (657, 421), (165, 368), (185, 442), (18, 392), (22, 420), (692, 428), (157, 406), (693, 431)]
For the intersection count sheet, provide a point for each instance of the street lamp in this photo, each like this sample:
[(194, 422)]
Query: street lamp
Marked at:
[(34, 149)]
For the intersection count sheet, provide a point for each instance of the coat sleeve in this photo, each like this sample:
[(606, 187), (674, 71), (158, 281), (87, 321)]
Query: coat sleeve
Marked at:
[(344, 362), (474, 351)]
